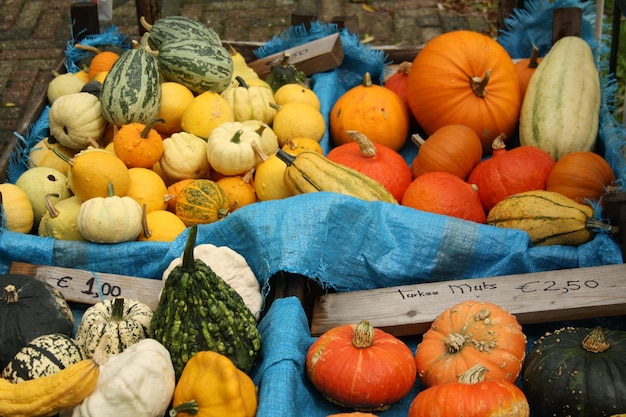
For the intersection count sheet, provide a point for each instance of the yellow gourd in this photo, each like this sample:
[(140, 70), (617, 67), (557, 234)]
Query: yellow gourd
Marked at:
[(147, 187), (41, 155), (161, 226), (268, 177), (16, 209), (232, 393), (48, 395)]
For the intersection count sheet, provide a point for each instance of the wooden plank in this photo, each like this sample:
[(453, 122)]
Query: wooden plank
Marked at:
[(311, 57), (542, 297), (567, 21), (91, 287)]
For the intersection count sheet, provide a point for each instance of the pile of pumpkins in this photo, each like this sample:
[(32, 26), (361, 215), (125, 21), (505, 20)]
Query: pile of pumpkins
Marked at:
[(149, 142)]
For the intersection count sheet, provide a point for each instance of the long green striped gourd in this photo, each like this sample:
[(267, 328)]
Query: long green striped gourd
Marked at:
[(199, 311), (170, 28), (311, 171), (561, 107), (131, 91), (43, 356), (199, 65)]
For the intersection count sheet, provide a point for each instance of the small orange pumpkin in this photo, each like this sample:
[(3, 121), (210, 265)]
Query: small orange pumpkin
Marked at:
[(444, 193), (471, 396), (375, 160), (239, 189), (361, 367), (582, 176), (465, 77), (525, 168), (376, 111), (470, 333), (138, 145), (453, 148), (100, 62), (172, 193)]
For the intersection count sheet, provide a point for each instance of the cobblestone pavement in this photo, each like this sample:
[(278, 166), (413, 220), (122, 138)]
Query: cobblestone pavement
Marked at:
[(34, 33)]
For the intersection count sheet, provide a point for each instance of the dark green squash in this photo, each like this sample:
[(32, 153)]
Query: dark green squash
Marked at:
[(284, 73), (577, 372), (199, 311), (43, 356), (29, 308)]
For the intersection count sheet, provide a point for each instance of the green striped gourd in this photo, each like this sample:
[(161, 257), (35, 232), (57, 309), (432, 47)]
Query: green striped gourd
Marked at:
[(45, 355), (199, 311), (169, 28), (561, 107), (311, 171), (131, 91), (199, 65)]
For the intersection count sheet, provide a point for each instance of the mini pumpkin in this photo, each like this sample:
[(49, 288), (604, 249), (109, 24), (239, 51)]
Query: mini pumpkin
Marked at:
[(361, 367), (250, 100), (229, 149), (376, 111), (467, 334), (76, 119), (138, 144), (121, 322), (184, 156)]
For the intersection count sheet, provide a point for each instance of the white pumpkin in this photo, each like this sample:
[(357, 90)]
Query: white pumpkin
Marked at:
[(184, 156), (38, 182), (111, 219), (76, 119)]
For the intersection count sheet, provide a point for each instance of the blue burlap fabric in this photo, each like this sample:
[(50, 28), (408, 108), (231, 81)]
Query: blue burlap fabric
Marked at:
[(340, 242)]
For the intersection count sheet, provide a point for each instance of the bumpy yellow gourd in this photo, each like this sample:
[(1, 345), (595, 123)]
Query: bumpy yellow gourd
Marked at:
[(49, 395), (232, 393)]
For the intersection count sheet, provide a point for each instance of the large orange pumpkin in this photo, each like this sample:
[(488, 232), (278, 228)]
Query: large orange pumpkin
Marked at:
[(376, 111), (361, 367), (467, 334), (465, 77), (582, 176)]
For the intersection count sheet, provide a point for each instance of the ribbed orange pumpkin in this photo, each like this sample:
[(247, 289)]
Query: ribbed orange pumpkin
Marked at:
[(507, 172), (377, 161), (453, 148), (465, 77), (376, 111), (581, 176), (361, 367), (470, 333), (471, 396)]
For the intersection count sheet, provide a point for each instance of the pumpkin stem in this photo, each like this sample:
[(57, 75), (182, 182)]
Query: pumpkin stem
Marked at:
[(49, 206), (595, 341), (190, 407), (242, 82), (287, 158), (110, 189), (418, 140), (367, 147), (498, 146), (367, 79), (87, 48), (144, 219), (479, 84), (188, 260), (237, 136), (148, 127), (454, 342), (257, 149), (474, 374), (144, 23), (591, 223), (534, 57), (117, 310), (10, 294), (248, 176), (404, 67), (363, 335)]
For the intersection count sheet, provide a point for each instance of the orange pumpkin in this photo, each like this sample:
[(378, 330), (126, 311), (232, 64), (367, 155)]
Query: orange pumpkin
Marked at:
[(444, 193), (465, 77), (525, 168), (582, 176), (138, 145), (239, 189), (467, 334), (100, 62), (526, 68), (172, 193), (361, 367), (471, 396), (453, 148), (398, 80), (376, 111), (377, 161)]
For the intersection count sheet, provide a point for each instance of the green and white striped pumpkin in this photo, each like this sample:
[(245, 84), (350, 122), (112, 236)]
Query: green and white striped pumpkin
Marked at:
[(123, 322), (43, 356), (131, 91), (169, 28), (561, 107), (199, 65)]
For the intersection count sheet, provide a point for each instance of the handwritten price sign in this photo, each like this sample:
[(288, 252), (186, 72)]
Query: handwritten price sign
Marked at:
[(91, 287), (533, 298)]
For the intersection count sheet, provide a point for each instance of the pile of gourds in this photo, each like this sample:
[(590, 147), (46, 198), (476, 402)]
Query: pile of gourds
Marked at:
[(114, 169)]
